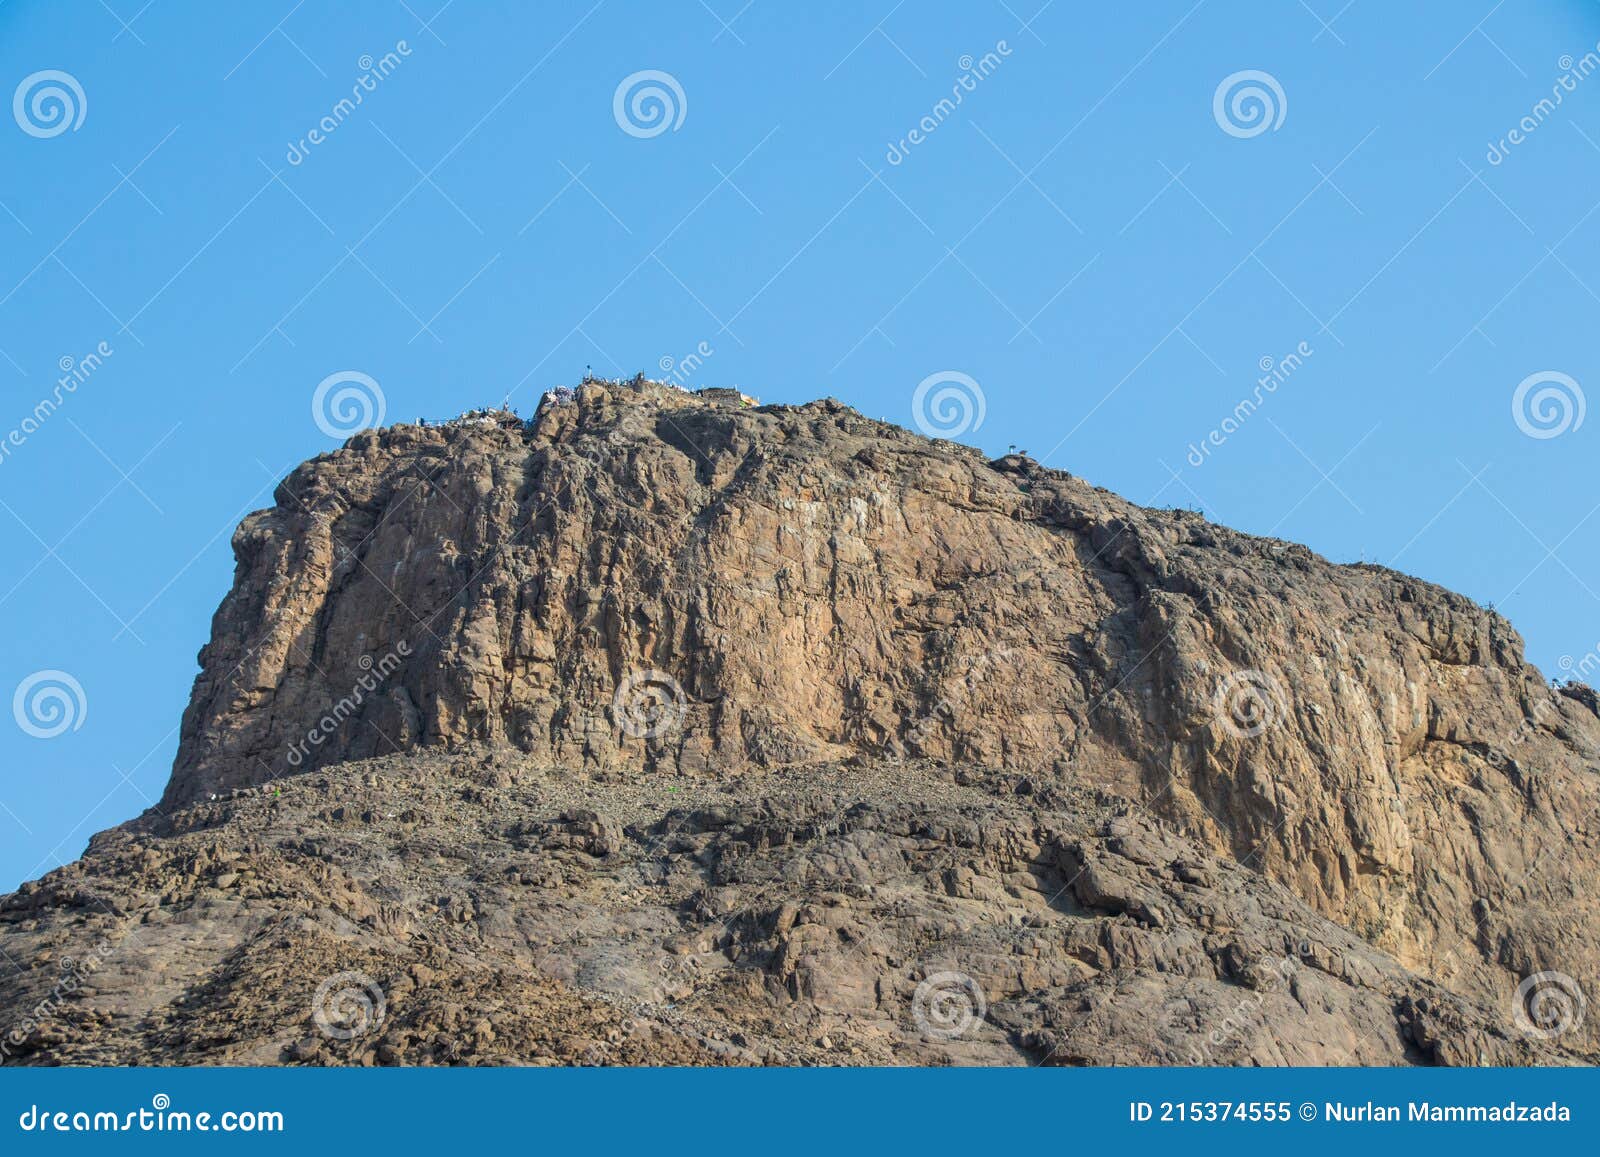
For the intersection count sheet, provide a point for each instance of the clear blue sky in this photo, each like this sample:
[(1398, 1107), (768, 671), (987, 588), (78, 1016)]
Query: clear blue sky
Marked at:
[(1080, 236)]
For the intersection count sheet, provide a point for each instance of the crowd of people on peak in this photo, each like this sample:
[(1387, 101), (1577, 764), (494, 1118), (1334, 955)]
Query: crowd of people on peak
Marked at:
[(506, 413)]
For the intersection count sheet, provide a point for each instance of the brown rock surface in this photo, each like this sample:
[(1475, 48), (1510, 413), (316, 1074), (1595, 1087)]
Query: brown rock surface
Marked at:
[(663, 728)]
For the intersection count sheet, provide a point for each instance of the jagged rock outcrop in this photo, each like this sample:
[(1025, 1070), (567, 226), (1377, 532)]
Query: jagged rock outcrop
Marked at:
[(472, 909), (1108, 763)]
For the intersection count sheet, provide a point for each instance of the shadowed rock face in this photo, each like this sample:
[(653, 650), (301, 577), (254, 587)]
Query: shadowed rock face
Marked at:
[(1113, 762), (473, 909)]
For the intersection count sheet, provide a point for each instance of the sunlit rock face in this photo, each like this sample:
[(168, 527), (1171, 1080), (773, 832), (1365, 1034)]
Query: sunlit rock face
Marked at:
[(820, 706)]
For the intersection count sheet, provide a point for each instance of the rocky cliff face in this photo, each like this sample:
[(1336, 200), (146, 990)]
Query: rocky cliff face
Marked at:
[(1130, 755)]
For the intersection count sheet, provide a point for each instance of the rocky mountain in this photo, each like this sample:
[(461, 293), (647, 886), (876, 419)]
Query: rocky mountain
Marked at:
[(667, 728)]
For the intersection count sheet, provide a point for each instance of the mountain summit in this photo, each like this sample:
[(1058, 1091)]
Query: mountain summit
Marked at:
[(669, 728)]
